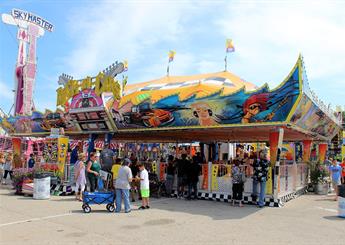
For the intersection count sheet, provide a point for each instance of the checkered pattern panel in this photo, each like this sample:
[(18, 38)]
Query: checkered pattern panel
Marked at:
[(61, 190)]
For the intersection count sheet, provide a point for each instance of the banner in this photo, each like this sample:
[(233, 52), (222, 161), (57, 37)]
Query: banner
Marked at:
[(17, 161), (274, 139), (269, 182), (62, 153), (322, 152), (205, 176), (228, 169), (154, 167), (162, 171), (214, 181), (306, 150)]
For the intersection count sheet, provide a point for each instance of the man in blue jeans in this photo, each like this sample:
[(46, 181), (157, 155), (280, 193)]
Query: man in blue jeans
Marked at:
[(122, 186), (261, 167)]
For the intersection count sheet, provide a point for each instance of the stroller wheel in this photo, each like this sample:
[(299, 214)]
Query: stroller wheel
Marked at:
[(110, 207), (86, 208)]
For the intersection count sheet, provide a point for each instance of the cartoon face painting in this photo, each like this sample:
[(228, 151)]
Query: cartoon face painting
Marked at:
[(253, 106), (204, 113)]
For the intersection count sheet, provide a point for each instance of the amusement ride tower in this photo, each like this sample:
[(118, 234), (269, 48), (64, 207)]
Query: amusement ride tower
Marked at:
[(30, 27)]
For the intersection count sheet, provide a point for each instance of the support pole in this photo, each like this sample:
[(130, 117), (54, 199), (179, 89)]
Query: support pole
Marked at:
[(276, 141)]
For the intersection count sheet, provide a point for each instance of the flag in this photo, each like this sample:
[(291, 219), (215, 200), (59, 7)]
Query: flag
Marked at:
[(229, 46), (171, 55), (125, 65)]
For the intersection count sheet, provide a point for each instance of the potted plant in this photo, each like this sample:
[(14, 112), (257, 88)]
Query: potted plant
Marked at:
[(319, 177), (20, 175)]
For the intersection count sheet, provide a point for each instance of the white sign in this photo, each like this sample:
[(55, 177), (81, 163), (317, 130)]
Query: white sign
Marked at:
[(29, 17)]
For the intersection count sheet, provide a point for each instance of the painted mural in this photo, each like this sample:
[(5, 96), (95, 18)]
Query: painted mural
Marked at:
[(38, 122), (204, 104), (310, 117)]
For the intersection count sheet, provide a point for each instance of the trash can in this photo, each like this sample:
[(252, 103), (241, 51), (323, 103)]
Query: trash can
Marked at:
[(41, 186), (341, 201)]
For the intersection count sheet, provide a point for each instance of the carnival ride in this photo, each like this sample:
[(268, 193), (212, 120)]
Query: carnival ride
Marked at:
[(230, 108)]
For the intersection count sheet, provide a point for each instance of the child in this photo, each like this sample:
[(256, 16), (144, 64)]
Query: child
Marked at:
[(80, 178), (237, 183), (144, 187)]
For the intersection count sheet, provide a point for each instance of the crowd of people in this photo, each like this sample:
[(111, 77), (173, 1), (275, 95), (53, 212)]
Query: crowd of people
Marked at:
[(131, 181)]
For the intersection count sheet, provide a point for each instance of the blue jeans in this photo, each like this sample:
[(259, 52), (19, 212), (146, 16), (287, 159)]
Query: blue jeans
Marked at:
[(122, 193), (262, 191)]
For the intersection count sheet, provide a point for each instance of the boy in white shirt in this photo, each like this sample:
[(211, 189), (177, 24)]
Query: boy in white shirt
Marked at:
[(144, 187)]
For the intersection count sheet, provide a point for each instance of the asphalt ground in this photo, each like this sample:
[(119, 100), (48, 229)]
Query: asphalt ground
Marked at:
[(309, 219)]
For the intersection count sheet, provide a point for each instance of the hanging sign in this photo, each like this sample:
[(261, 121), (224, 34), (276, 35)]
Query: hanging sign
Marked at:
[(154, 167), (205, 176), (269, 182), (29, 17), (162, 171), (214, 177)]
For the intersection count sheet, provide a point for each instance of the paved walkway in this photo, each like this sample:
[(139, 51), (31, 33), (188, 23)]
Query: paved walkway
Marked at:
[(310, 219)]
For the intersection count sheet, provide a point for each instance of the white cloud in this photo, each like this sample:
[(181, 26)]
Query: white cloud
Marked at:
[(270, 36), (5, 91), (124, 31)]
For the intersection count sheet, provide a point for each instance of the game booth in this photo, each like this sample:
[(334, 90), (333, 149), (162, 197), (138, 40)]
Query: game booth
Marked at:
[(218, 114)]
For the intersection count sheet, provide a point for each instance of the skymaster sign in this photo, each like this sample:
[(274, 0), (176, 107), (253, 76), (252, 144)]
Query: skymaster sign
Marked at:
[(26, 16)]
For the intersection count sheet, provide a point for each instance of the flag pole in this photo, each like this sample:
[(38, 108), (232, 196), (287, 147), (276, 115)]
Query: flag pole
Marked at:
[(168, 69), (226, 61)]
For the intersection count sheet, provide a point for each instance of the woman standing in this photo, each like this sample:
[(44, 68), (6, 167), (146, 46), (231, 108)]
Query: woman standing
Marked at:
[(8, 166), (93, 168), (122, 186), (79, 175), (237, 183), (2, 164)]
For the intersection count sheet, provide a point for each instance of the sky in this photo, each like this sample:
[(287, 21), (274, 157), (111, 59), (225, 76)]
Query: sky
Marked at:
[(268, 36)]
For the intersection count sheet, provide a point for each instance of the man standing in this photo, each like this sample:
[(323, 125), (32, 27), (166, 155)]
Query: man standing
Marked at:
[(122, 186), (182, 166), (261, 167), (335, 170), (170, 175), (194, 170), (107, 158), (31, 162)]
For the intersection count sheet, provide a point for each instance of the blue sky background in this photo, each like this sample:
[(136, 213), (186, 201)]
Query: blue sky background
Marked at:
[(268, 36)]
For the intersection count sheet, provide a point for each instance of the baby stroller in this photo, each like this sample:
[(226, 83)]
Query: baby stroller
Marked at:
[(157, 188)]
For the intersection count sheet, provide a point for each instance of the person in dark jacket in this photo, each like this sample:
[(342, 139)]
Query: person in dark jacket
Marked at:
[(182, 169), (193, 171), (171, 169)]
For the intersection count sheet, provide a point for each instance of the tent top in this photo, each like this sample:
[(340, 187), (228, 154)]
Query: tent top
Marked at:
[(224, 79)]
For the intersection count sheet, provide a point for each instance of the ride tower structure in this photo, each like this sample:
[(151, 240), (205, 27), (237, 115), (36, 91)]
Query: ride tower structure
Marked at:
[(30, 28)]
